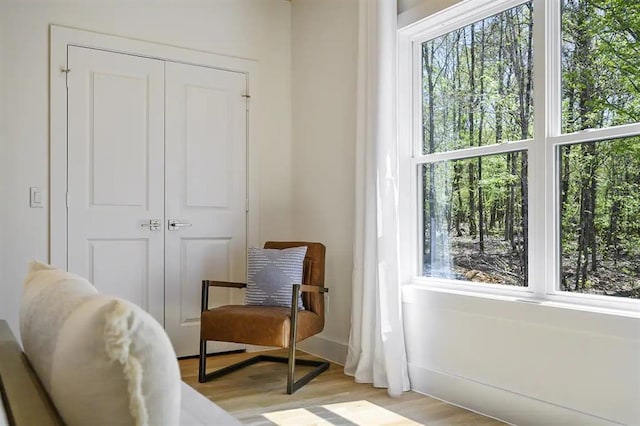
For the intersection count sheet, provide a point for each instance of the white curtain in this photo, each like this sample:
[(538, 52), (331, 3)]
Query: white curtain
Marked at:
[(376, 344)]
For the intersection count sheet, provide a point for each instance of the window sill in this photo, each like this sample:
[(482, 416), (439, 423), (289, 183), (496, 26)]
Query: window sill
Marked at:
[(525, 296)]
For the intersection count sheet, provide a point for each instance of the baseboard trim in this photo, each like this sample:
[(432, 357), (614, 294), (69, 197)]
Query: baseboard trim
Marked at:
[(494, 402), (324, 348)]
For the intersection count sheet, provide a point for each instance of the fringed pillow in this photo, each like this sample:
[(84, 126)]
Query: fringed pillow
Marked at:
[(103, 360)]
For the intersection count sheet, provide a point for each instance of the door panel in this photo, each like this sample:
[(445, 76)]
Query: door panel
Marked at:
[(129, 279), (154, 140), (201, 258), (206, 190), (116, 174), (119, 140), (207, 150)]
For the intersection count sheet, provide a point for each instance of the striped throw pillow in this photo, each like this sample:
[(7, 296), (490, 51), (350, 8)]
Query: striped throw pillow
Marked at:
[(272, 274)]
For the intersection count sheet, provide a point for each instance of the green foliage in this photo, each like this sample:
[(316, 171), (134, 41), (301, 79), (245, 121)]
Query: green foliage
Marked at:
[(478, 90), (475, 83), (600, 62)]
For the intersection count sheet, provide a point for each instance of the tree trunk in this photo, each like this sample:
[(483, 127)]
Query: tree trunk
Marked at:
[(457, 167), (509, 205), (493, 215), (524, 190), (513, 157), (528, 104), (457, 175), (500, 78), (592, 210), (481, 226), (584, 70), (566, 174), (612, 237), (586, 236), (472, 104), (431, 140), (525, 156), (581, 242)]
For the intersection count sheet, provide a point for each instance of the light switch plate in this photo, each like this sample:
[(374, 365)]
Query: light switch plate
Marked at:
[(35, 197)]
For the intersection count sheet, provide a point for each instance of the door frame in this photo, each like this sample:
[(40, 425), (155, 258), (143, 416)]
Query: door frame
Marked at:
[(60, 39)]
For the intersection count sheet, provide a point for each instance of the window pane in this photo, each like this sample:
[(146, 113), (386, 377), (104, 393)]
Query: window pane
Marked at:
[(600, 63), (477, 84), (474, 219), (600, 202)]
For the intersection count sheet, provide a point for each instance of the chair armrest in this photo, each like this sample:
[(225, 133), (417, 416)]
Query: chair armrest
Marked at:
[(224, 284), (313, 289), (204, 301)]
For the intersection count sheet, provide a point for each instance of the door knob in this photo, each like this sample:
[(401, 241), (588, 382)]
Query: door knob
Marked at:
[(175, 225), (154, 224)]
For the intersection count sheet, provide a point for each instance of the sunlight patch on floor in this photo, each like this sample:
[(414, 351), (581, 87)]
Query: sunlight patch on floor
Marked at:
[(298, 416), (350, 413)]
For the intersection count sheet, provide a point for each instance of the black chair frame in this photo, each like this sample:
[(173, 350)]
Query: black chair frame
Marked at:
[(292, 385)]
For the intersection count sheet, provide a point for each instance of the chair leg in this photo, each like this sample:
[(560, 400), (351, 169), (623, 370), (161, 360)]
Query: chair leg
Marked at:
[(202, 369), (293, 334), (204, 304), (292, 367)]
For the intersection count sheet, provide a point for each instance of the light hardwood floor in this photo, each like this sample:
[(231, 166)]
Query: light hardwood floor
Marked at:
[(252, 393)]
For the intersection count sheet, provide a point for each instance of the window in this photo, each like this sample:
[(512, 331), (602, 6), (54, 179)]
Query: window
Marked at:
[(460, 241), (600, 191), (523, 119), (477, 91), (600, 207)]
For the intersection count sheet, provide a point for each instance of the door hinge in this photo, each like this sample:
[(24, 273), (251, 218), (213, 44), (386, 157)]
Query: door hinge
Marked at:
[(66, 72), (67, 200), (247, 97), (246, 205)]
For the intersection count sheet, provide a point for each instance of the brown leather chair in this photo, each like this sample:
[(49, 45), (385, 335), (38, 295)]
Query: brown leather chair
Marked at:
[(269, 325)]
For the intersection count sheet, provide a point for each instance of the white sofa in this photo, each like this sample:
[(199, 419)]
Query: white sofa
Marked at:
[(92, 359)]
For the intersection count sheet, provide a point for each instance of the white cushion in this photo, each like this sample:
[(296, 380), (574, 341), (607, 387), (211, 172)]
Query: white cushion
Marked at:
[(197, 410), (103, 360), (49, 297)]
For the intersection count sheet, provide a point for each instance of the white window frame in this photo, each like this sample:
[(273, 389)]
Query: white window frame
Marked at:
[(544, 203)]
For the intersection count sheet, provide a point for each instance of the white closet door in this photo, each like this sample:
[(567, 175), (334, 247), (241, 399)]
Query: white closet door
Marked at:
[(116, 174), (205, 194)]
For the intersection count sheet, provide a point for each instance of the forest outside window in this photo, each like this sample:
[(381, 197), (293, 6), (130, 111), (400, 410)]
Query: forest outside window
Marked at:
[(600, 211), (454, 246), (600, 179), (477, 91), (527, 174)]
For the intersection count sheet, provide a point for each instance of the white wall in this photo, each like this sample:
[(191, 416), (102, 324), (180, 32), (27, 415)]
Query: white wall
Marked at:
[(247, 28), (3, 166), (521, 362), (324, 61)]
